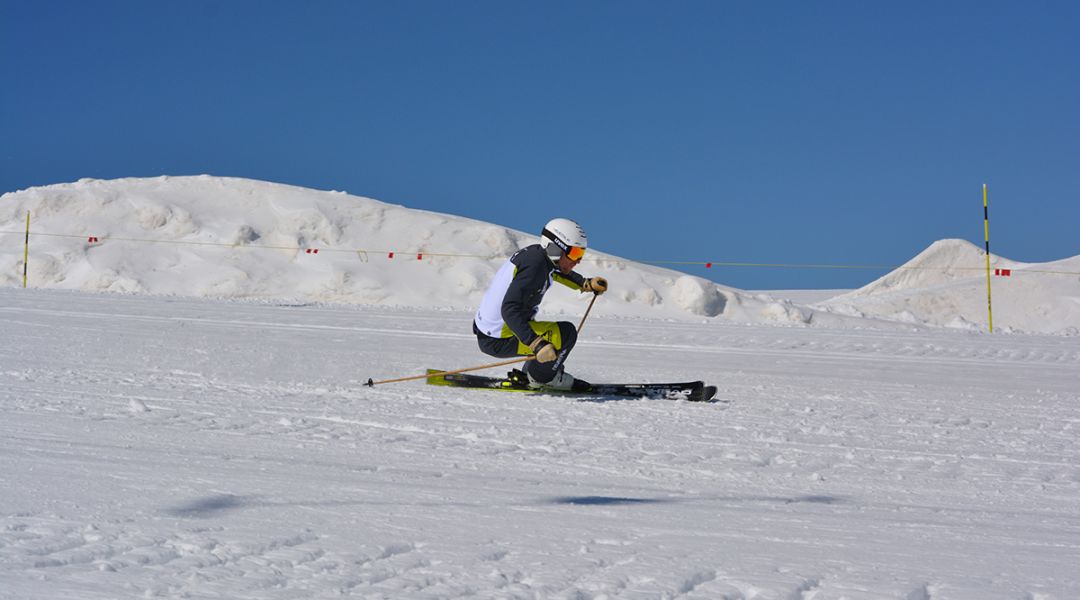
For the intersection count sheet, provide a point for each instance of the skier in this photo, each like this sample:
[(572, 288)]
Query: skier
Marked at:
[(504, 324)]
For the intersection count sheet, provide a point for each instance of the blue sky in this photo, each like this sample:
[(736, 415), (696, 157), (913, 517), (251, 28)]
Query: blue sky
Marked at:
[(766, 132)]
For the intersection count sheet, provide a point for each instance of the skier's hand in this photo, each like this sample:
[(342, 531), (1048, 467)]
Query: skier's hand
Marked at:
[(544, 350), (596, 285)]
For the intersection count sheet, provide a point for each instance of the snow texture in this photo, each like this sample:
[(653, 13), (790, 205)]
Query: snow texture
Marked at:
[(159, 445)]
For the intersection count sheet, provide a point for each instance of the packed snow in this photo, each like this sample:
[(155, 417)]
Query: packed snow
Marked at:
[(156, 443)]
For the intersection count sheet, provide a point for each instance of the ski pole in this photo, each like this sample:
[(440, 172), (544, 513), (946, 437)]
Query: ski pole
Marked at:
[(371, 383), (587, 310)]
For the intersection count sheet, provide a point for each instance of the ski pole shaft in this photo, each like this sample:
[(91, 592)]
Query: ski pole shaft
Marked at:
[(371, 383), (587, 310)]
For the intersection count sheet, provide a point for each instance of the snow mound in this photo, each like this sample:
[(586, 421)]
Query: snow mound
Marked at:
[(945, 286), (205, 236), (944, 261), (238, 238)]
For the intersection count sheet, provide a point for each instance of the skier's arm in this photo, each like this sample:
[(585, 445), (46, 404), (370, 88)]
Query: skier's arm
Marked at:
[(573, 281)]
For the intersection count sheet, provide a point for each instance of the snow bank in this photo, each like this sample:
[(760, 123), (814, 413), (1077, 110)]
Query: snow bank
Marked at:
[(944, 261), (945, 286), (238, 238)]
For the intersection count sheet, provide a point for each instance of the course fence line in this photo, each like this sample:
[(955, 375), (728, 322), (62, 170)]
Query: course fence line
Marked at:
[(364, 254)]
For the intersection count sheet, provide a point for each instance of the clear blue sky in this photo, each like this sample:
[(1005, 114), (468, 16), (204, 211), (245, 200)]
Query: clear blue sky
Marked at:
[(839, 132)]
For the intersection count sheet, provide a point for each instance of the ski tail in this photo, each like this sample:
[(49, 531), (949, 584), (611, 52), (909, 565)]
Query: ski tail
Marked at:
[(464, 380)]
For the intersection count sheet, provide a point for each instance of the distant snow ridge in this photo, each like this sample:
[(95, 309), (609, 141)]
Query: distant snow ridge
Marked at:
[(945, 261), (238, 238), (945, 286)]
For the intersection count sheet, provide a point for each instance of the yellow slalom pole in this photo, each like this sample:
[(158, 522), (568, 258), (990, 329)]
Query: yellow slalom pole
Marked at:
[(26, 250), (986, 228)]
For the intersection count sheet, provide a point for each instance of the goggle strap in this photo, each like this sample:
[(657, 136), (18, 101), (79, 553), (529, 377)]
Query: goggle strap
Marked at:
[(566, 249)]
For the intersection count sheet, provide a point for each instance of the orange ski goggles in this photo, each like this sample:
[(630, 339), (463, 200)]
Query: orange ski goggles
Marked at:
[(575, 253)]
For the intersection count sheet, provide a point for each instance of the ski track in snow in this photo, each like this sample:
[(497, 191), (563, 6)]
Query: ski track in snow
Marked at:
[(157, 447)]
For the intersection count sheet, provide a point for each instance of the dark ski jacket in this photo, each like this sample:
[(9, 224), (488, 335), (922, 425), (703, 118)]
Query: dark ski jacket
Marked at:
[(514, 297)]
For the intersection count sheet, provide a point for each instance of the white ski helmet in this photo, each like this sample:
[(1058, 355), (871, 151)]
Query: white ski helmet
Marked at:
[(563, 236)]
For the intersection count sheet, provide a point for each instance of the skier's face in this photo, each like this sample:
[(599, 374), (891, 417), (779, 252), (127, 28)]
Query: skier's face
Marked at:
[(567, 264)]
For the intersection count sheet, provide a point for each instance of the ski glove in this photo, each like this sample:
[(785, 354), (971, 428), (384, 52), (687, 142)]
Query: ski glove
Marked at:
[(596, 285), (544, 350)]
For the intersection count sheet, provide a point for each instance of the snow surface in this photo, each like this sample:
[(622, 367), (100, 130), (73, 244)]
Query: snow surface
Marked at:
[(158, 447), (155, 444)]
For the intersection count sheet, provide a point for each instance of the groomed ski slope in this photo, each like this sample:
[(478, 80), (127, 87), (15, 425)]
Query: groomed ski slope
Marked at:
[(158, 447)]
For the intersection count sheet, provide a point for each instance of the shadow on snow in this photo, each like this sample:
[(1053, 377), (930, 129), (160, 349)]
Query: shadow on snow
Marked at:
[(217, 505)]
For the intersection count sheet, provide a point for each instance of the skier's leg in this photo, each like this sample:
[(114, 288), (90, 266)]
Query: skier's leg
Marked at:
[(506, 347), (563, 335)]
